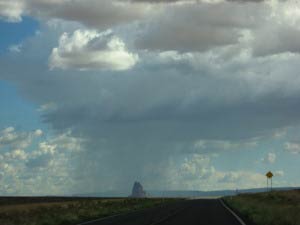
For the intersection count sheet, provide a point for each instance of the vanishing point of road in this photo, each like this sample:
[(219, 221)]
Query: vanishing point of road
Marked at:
[(188, 212)]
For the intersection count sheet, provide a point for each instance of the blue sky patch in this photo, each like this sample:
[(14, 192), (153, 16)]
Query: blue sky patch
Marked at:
[(14, 33), (16, 111)]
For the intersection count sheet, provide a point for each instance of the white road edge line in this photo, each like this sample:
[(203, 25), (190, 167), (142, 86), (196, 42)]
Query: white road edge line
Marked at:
[(233, 213)]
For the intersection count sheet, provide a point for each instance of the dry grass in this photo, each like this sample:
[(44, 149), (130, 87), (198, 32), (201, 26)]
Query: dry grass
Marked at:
[(272, 208), (68, 212)]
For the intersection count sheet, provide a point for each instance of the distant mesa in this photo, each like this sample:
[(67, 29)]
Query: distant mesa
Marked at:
[(138, 191)]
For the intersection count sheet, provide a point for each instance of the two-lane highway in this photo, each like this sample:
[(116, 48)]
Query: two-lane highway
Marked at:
[(190, 212), (203, 212)]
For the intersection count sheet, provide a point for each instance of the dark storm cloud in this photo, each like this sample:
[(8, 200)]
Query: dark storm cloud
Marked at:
[(159, 1), (276, 39), (245, 120), (163, 103), (245, 1), (93, 13), (200, 27), (196, 1)]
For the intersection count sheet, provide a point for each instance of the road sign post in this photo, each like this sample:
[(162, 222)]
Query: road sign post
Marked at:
[(269, 176)]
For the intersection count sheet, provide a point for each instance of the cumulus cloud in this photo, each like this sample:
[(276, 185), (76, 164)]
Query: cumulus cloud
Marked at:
[(66, 142), (241, 179), (269, 158), (47, 107), (15, 48), (196, 166), (197, 172), (11, 10), (279, 173), (280, 133), (221, 145), (11, 138), (16, 154), (41, 166), (88, 49), (292, 147)]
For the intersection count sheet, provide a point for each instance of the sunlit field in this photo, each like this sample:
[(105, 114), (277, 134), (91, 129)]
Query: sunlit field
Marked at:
[(272, 208)]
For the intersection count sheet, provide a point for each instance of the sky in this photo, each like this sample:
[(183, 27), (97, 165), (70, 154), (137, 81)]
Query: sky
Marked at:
[(176, 94)]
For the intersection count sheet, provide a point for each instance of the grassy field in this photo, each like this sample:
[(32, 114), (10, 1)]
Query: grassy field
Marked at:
[(66, 211), (272, 208)]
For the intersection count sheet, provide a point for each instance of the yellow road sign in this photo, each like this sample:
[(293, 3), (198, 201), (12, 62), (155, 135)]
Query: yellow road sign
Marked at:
[(269, 174)]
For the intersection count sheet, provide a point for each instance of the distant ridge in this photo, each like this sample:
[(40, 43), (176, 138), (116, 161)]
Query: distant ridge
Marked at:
[(183, 193), (217, 193)]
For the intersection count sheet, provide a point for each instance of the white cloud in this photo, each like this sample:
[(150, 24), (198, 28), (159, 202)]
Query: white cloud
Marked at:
[(16, 154), (65, 141), (15, 48), (280, 133), (197, 172), (241, 179), (88, 49), (9, 137), (194, 172), (8, 130), (217, 145), (269, 158), (11, 10), (19, 154), (46, 148), (292, 147), (41, 166), (174, 56), (38, 132), (279, 173), (44, 108), (197, 166)]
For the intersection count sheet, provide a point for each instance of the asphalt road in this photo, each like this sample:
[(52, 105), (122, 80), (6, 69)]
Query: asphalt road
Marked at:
[(190, 212)]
